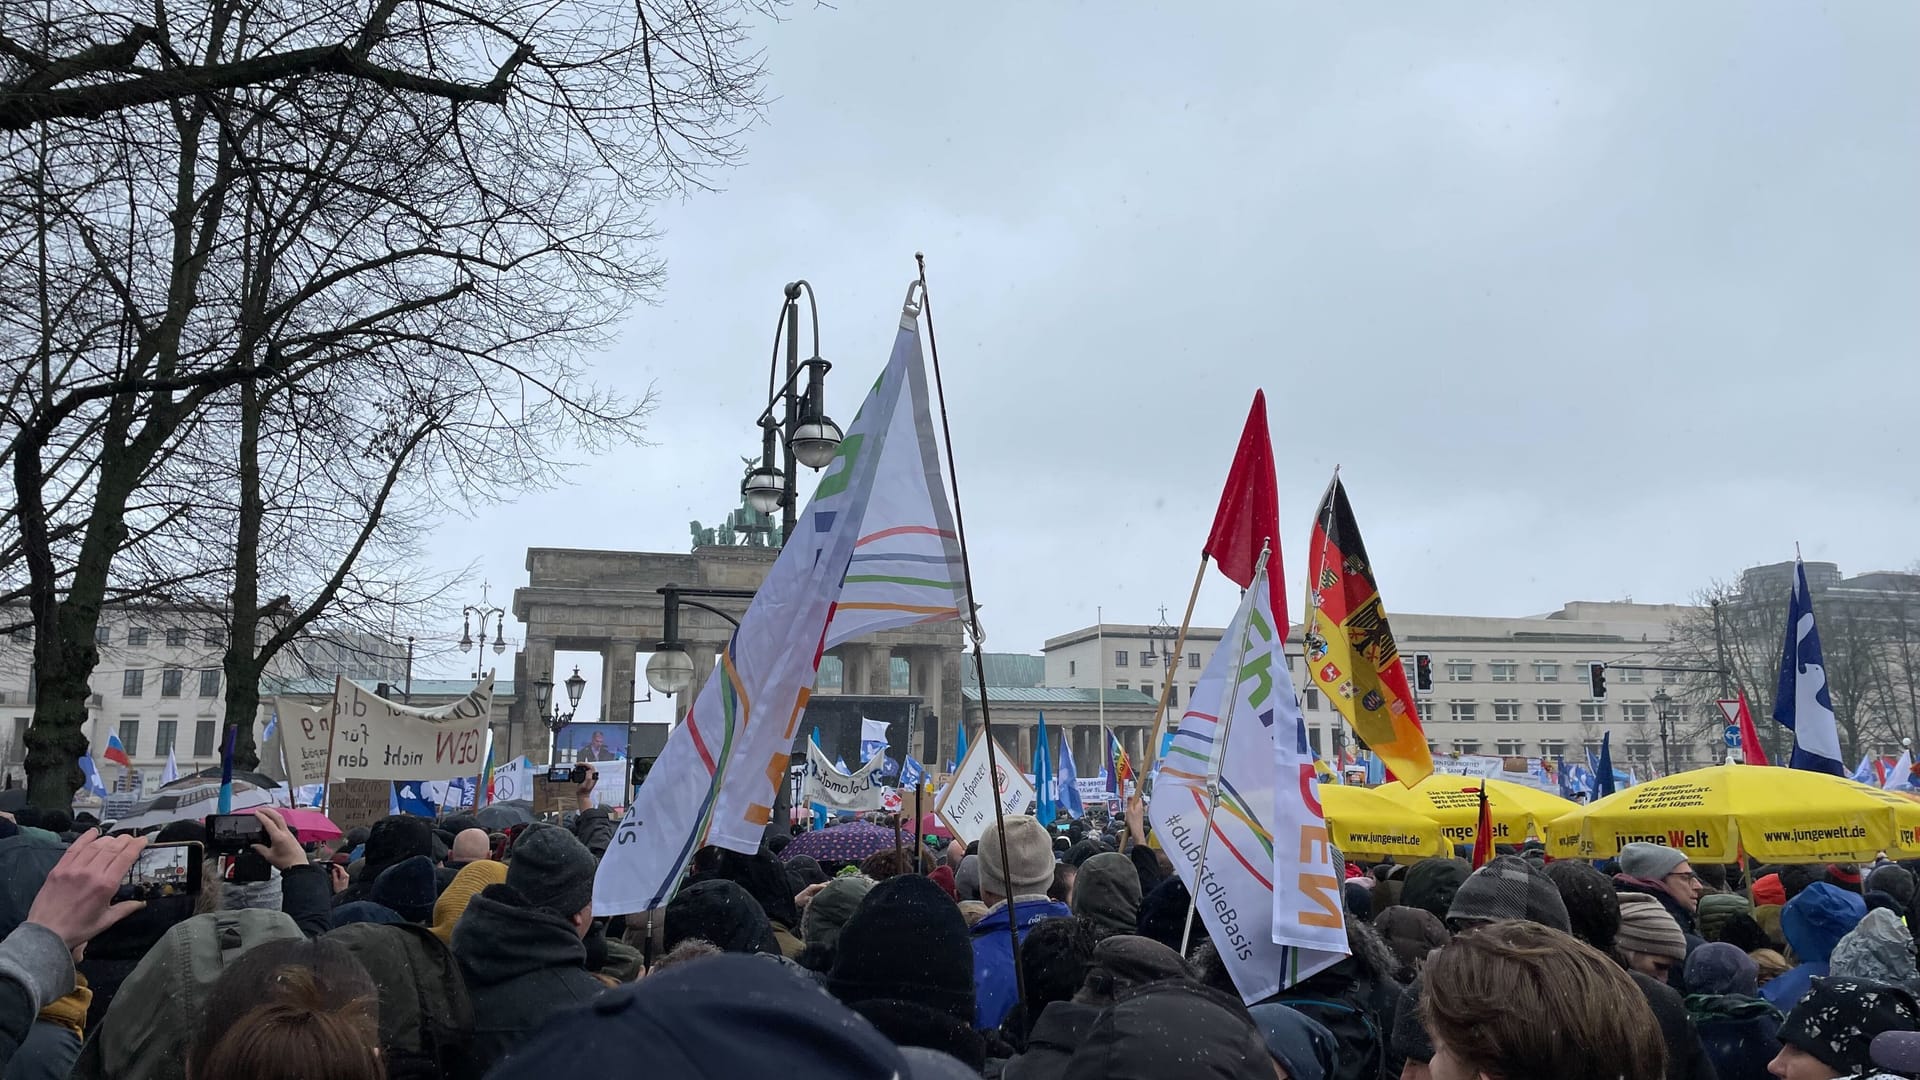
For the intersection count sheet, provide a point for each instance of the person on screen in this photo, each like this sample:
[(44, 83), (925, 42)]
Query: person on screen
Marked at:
[(597, 749)]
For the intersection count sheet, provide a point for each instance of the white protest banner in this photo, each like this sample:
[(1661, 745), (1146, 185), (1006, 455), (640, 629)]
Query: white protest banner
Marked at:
[(1092, 789), (304, 732), (377, 739), (966, 805), (836, 790), (1246, 853), (514, 780), (1469, 765)]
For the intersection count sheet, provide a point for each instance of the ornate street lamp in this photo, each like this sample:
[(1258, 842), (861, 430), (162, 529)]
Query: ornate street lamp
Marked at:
[(810, 437), (543, 699)]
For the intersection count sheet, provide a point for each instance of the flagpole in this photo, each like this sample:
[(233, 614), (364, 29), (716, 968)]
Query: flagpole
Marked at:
[(978, 636), (1179, 649), (1219, 746)]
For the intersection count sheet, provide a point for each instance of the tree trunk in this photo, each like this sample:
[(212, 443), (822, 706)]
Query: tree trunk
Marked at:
[(242, 661)]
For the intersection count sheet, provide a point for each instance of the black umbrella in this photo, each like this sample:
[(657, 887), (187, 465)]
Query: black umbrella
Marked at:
[(502, 816), (257, 779)]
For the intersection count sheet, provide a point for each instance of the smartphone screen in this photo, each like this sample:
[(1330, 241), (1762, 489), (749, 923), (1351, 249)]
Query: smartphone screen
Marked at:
[(234, 833), (163, 870)]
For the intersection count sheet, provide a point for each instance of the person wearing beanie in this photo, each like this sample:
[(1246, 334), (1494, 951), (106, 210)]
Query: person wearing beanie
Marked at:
[(1830, 1033), (1431, 883), (466, 884), (1014, 880), (1412, 934), (1737, 1028), (1593, 908), (408, 888), (943, 877), (1665, 874), (392, 840), (1173, 1029), (723, 913), (966, 878), (1895, 881), (1118, 965), (1508, 887), (1813, 922), (1164, 915), (903, 961), (1768, 889), (829, 910), (1300, 1045), (1107, 893), (1649, 939), (520, 943), (1710, 918)]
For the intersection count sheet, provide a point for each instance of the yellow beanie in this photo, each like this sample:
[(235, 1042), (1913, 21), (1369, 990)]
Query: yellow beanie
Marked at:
[(452, 904)]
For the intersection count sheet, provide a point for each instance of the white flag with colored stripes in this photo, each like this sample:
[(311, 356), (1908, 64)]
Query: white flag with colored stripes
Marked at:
[(873, 551)]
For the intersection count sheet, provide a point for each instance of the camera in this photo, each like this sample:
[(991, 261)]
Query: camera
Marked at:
[(563, 774)]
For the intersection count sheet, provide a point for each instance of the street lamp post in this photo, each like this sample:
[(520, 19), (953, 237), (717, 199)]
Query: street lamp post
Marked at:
[(670, 670), (544, 705), (1661, 699), (808, 436), (485, 611)]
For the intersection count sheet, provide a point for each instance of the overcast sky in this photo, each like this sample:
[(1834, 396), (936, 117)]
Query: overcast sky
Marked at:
[(1589, 301)]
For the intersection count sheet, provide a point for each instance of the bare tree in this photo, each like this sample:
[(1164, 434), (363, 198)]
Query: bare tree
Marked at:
[(403, 272)]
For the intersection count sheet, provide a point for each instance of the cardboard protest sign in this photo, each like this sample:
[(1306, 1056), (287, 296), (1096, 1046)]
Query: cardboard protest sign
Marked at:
[(967, 803), (377, 739), (353, 803)]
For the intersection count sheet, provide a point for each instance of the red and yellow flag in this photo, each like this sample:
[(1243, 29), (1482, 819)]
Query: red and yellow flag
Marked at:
[(1350, 652)]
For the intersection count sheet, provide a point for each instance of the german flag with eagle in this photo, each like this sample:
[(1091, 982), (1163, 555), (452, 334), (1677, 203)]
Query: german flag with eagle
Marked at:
[(1350, 652)]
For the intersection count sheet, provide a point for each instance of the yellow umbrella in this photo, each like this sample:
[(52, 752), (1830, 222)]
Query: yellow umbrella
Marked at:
[(1363, 822), (1518, 811), (1776, 815)]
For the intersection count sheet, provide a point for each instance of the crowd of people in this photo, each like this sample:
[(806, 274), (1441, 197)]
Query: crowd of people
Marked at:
[(438, 949)]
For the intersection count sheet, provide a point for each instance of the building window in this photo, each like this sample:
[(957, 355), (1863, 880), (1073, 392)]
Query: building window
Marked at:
[(1466, 746), (1504, 670), (211, 637), (1639, 753), (176, 636), (1459, 671), (137, 636), (1593, 748), (1552, 749), (210, 682), (1193, 661), (1120, 686), (1634, 712), (1406, 665), (1509, 747), (103, 635), (1073, 667), (1631, 674), (1173, 695), (1683, 754), (1146, 658), (133, 683), (1460, 712), (1549, 711), (130, 736), (1506, 711), (1313, 699), (203, 739), (1426, 713), (1593, 712), (170, 682), (1546, 671), (163, 738), (1120, 658)]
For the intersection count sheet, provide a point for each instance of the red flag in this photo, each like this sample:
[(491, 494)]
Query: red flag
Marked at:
[(1249, 515), (1483, 833), (1750, 749)]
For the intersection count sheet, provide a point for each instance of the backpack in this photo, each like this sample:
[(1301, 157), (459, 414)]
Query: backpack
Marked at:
[(1361, 1042), (160, 1006), (426, 1018)]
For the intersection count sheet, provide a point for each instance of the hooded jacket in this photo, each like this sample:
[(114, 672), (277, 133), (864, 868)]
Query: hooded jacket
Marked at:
[(1686, 1055), (1431, 884), (1062, 1027), (1107, 893), (994, 986), (522, 965), (1739, 1033), (1813, 923), (1880, 950)]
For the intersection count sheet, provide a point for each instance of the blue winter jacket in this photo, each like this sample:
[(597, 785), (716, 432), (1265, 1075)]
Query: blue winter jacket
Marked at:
[(994, 986), (1813, 923)]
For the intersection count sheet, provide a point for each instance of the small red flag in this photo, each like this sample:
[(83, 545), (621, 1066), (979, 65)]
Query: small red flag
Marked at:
[(1249, 515), (1483, 833), (1750, 749)]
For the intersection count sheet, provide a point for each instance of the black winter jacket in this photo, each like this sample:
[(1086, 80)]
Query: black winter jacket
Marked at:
[(522, 964)]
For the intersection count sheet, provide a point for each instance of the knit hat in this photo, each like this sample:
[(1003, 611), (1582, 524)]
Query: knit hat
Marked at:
[(717, 1019), (966, 880), (906, 942), (1509, 887), (943, 877), (1837, 1020), (1646, 927), (1895, 881), (1125, 961), (1107, 893), (721, 912), (552, 869), (1769, 890), (1720, 968), (1172, 1029), (1164, 915), (1029, 854), (830, 909), (469, 881), (1431, 884), (407, 887), (1714, 911), (395, 839), (1301, 1044), (1649, 862)]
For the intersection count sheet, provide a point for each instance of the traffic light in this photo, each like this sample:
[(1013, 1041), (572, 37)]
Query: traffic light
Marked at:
[(637, 770), (1422, 672), (1597, 679)]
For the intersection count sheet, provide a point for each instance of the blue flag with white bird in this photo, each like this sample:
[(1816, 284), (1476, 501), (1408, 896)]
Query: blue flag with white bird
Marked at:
[(1802, 703)]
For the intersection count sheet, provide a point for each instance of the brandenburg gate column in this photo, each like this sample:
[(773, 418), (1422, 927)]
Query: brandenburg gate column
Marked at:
[(617, 659)]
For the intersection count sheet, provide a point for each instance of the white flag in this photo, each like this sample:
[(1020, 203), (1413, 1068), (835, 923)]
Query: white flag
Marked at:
[(172, 772), (1254, 843), (714, 780), (1900, 777)]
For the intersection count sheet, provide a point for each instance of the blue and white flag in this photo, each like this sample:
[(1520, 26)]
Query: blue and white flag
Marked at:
[(1067, 781), (1802, 703), (411, 797), (1048, 806), (1900, 777), (912, 775), (1864, 773), (873, 739), (95, 785)]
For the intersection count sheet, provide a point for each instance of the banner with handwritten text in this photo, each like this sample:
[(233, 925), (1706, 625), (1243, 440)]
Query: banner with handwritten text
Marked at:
[(377, 739)]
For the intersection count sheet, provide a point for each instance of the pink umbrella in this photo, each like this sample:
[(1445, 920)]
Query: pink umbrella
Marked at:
[(310, 826), (931, 825)]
